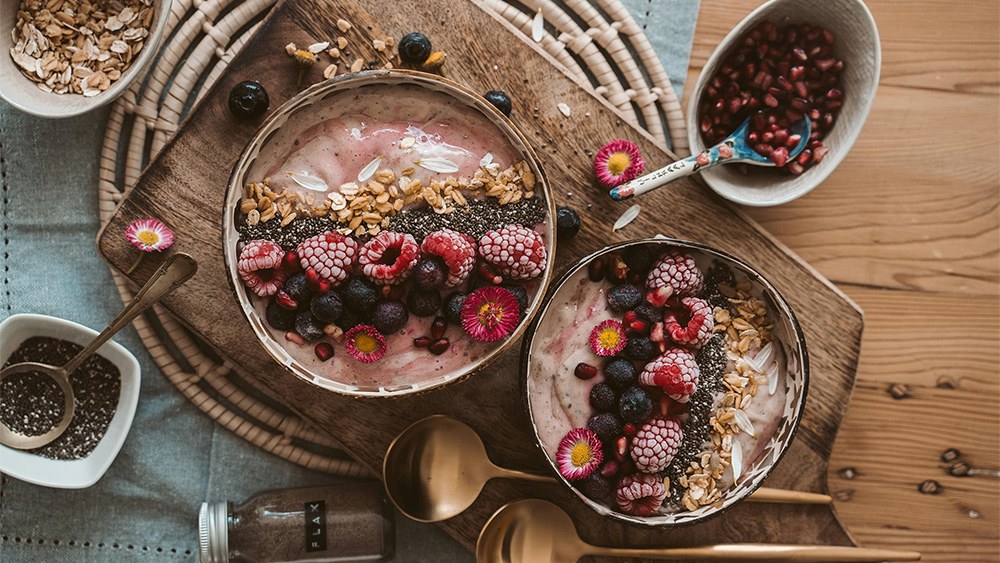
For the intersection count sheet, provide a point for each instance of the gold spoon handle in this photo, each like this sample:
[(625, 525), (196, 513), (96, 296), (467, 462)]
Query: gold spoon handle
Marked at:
[(176, 270), (525, 476), (766, 494), (762, 552)]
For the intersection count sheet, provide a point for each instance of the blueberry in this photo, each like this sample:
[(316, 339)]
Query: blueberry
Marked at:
[(500, 100), (308, 327), (620, 373), (423, 303), (296, 288), (453, 307), (567, 222), (429, 273), (623, 297), (602, 398), (596, 486), (348, 320), (607, 427), (327, 307), (634, 405), (279, 317), (414, 48), (639, 348), (521, 295), (248, 100), (390, 316), (639, 258), (360, 294), (645, 311)]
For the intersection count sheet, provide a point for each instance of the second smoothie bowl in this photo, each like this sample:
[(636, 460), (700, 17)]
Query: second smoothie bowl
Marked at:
[(387, 232)]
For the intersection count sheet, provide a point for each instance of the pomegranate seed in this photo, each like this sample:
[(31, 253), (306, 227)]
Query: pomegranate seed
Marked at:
[(815, 50), (800, 54), (820, 152), (770, 101), (585, 371), (776, 92), (323, 351), (711, 92), (837, 66), (767, 137), (293, 336), (827, 121), (804, 157), (312, 279), (629, 318), (771, 119), (814, 114), (639, 327), (490, 273), (656, 332), (334, 332), (793, 116), (781, 136), (791, 35), (828, 36), (801, 89), (422, 341), (285, 301), (833, 104), (595, 270), (796, 73), (824, 64), (766, 83), (779, 156), (834, 94), (659, 297), (439, 346), (396, 292), (758, 121), (784, 84), (763, 150), (799, 103), (706, 123), (617, 269), (814, 145), (814, 34), (759, 79), (734, 105), (793, 140), (796, 168), (716, 107), (621, 446), (438, 327), (291, 262), (753, 104), (629, 429), (609, 468)]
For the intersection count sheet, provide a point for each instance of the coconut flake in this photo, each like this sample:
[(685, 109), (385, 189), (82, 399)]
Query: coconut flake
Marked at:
[(737, 460), (486, 160), (564, 109), (369, 170), (630, 214), (743, 421), (442, 165), (538, 27), (308, 182)]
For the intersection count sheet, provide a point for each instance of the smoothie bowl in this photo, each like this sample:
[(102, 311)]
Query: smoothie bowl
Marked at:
[(664, 381), (387, 232)]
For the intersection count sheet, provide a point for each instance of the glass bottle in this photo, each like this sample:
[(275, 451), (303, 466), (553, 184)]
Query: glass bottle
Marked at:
[(342, 523)]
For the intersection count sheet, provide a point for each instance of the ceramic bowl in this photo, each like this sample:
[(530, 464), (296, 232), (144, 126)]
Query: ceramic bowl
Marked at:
[(856, 43), (537, 374), (309, 103), (23, 94), (77, 473)]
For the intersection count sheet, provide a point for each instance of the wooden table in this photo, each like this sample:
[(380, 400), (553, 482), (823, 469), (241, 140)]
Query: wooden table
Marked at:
[(908, 227)]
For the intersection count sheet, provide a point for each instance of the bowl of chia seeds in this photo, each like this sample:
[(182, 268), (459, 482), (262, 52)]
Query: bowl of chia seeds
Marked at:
[(105, 387)]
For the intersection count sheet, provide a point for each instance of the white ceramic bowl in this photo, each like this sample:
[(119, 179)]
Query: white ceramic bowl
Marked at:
[(77, 473), (23, 94), (856, 43)]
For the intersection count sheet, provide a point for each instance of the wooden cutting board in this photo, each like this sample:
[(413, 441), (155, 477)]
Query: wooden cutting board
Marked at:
[(185, 184)]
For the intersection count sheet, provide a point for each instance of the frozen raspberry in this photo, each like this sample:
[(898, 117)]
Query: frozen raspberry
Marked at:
[(692, 326), (656, 443), (260, 268), (640, 494), (330, 254), (389, 257), (515, 251), (458, 252), (677, 270), (676, 372)]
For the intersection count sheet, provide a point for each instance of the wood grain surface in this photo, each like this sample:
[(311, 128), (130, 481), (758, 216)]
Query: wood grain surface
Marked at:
[(184, 187), (912, 236)]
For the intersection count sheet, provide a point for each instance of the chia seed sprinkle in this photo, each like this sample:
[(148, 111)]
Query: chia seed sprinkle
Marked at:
[(717, 273), (32, 403), (696, 432), (712, 363)]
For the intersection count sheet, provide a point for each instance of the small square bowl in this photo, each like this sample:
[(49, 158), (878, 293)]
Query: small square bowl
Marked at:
[(77, 473)]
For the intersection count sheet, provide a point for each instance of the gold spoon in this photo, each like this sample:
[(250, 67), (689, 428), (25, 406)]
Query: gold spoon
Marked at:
[(436, 468), (537, 531), (176, 270)]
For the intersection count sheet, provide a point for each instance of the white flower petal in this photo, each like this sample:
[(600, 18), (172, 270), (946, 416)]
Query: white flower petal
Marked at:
[(369, 170), (737, 462), (538, 27), (743, 421), (308, 182), (630, 214), (442, 165)]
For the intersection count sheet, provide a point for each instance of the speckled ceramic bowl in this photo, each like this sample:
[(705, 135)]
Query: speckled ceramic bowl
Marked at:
[(797, 383), (308, 101)]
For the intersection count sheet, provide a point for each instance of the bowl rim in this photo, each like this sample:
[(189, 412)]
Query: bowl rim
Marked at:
[(137, 71), (84, 472), (694, 136), (372, 77), (554, 288)]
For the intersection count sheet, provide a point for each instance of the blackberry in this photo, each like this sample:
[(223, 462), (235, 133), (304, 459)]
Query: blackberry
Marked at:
[(623, 297), (390, 316), (607, 427), (423, 303), (453, 307), (308, 327), (327, 307), (520, 294), (596, 486), (712, 363), (639, 348), (645, 311), (639, 258), (620, 373), (429, 273), (248, 100), (414, 48), (634, 405), (602, 398), (296, 287), (500, 100), (567, 222), (360, 294), (349, 319), (278, 317)]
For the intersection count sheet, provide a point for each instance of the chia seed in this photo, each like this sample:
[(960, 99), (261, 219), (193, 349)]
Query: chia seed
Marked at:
[(712, 363), (717, 273), (32, 404), (696, 431)]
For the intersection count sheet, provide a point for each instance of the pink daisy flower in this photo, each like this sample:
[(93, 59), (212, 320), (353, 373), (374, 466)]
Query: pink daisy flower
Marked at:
[(490, 313), (618, 162), (365, 343), (579, 454), (608, 338), (147, 235)]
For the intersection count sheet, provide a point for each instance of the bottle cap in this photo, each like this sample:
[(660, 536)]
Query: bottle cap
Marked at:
[(213, 532)]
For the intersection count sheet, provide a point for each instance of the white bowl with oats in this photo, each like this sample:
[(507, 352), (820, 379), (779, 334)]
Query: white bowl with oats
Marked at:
[(63, 58)]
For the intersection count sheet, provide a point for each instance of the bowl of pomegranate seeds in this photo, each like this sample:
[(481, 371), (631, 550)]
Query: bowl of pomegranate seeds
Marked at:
[(784, 62)]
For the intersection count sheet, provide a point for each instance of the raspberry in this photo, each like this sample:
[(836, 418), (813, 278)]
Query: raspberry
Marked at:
[(259, 267), (676, 372), (389, 257), (515, 251), (640, 494), (457, 250), (678, 271), (693, 325), (656, 443), (330, 254)]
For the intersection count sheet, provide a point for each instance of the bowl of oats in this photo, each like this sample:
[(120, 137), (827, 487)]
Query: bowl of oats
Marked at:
[(67, 57), (664, 380), (387, 233)]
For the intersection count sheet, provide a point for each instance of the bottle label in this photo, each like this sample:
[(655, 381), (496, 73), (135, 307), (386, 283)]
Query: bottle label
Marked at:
[(316, 525)]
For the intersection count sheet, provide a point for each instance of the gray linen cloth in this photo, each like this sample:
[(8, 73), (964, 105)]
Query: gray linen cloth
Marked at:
[(146, 505)]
